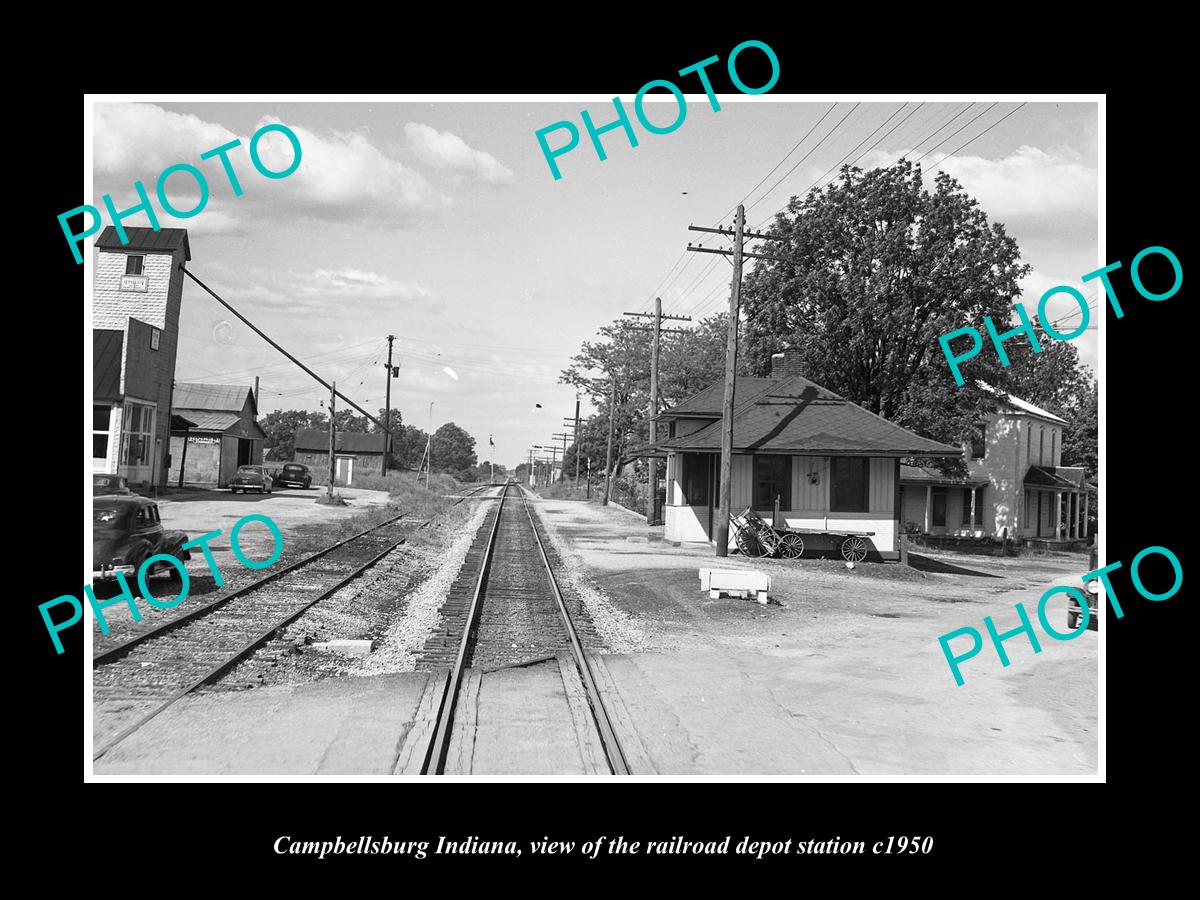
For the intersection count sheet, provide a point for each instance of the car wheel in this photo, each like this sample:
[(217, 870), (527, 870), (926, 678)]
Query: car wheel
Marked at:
[(1073, 616)]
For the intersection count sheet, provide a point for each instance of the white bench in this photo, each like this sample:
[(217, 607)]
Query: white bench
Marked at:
[(739, 582)]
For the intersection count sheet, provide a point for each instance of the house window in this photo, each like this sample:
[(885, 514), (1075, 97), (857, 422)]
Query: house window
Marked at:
[(979, 441), (696, 476), (848, 484), (670, 429), (938, 514), (133, 265), (1029, 445), (137, 433), (1053, 439), (101, 417), (772, 478), (1041, 446), (966, 508)]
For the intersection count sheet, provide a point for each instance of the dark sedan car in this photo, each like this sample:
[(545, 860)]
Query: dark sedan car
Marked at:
[(126, 531), (104, 485), (1091, 590), (294, 475), (251, 478)]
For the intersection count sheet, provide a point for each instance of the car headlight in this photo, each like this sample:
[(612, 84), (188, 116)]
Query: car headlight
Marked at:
[(1093, 587)]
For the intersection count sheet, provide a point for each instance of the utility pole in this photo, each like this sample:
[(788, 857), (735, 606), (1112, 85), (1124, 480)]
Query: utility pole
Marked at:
[(735, 302), (652, 462), (332, 433), (577, 440), (612, 411), (739, 234), (562, 475), (387, 406), (429, 447)]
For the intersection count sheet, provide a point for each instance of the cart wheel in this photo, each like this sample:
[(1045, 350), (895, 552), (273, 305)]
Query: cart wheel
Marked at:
[(748, 544), (854, 549), (793, 545)]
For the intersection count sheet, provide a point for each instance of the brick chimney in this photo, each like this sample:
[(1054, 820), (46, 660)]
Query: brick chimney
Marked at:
[(786, 364)]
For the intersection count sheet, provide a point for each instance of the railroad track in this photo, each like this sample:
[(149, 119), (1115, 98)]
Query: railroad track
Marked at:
[(172, 660), (506, 608)]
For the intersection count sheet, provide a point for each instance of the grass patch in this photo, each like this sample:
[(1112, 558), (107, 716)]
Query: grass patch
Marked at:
[(566, 491), (409, 495)]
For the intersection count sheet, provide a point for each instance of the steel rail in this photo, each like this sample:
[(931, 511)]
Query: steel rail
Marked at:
[(125, 646), (435, 756), (608, 736), (252, 645), (119, 650), (245, 651)]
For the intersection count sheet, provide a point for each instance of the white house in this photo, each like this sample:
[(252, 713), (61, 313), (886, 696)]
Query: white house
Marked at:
[(830, 463), (1015, 487)]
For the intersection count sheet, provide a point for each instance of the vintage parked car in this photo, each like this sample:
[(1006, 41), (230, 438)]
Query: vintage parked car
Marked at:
[(1091, 590), (104, 485), (126, 531), (252, 478), (295, 475)]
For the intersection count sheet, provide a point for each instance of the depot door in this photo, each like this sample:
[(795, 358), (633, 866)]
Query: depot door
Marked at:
[(345, 469)]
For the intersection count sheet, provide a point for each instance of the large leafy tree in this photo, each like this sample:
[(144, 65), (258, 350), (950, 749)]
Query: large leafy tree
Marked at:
[(346, 420), (872, 270), (281, 426), (408, 446), (453, 449), (688, 363)]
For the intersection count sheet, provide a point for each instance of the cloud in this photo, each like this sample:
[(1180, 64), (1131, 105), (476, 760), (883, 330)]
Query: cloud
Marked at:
[(326, 294), (444, 150), (342, 176), (1027, 183)]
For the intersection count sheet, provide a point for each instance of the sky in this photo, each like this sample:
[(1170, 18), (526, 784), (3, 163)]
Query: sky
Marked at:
[(441, 223)]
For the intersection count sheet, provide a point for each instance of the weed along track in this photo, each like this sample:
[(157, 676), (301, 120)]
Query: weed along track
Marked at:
[(508, 664), (153, 670)]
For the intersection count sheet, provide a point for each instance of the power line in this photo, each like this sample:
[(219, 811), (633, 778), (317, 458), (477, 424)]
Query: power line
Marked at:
[(958, 131), (800, 161), (733, 209), (978, 136)]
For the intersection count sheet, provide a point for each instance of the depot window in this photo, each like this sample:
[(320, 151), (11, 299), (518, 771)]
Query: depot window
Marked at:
[(848, 484), (772, 480), (133, 264), (101, 416)]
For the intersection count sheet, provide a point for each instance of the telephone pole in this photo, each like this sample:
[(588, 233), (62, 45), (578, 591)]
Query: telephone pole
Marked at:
[(612, 411), (562, 475), (387, 406), (739, 234), (652, 462), (332, 433), (576, 441)]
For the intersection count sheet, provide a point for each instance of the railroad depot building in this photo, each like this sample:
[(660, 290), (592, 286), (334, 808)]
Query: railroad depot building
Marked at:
[(137, 292), (224, 434), (832, 464), (354, 453), (1015, 487)]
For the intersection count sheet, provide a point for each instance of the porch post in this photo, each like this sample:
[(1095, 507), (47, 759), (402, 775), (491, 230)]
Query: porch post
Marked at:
[(928, 505), (1058, 495), (1086, 500), (1078, 514), (972, 529)]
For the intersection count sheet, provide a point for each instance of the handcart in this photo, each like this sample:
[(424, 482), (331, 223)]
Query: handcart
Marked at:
[(754, 537)]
